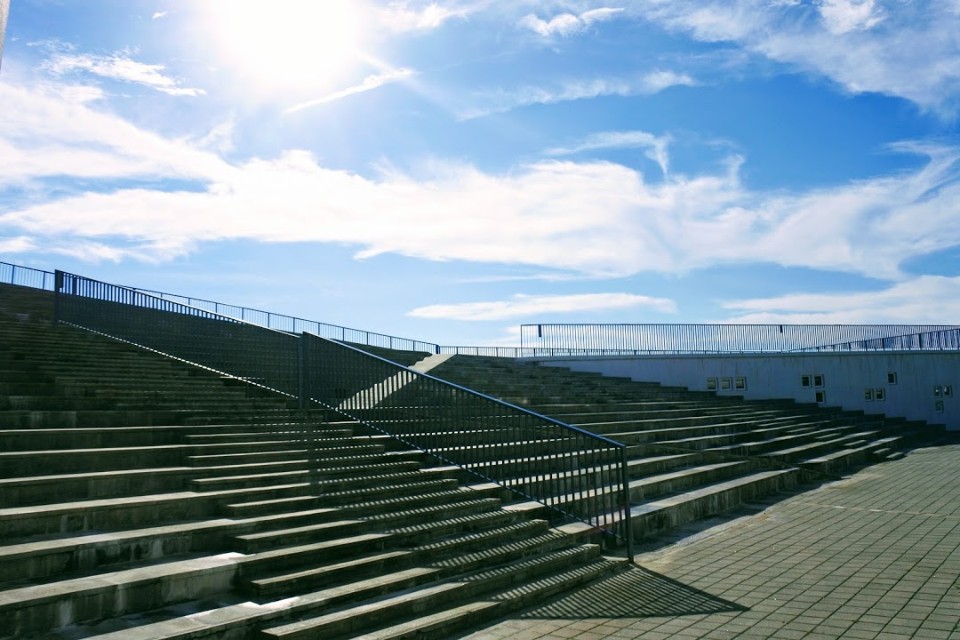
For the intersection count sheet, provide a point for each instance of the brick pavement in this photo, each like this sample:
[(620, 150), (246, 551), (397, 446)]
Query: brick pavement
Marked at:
[(873, 556)]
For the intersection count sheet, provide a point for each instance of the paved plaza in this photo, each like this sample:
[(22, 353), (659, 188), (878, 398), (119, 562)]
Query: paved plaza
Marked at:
[(874, 555)]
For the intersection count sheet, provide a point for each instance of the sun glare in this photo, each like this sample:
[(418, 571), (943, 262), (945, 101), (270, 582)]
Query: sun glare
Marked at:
[(287, 44)]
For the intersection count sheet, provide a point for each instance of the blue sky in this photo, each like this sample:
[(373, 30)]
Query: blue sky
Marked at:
[(447, 171)]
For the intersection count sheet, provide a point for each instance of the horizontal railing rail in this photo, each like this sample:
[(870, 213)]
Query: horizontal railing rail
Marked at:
[(657, 339), (573, 472)]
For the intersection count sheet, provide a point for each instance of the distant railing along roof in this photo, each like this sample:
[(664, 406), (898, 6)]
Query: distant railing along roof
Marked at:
[(547, 340), (664, 339)]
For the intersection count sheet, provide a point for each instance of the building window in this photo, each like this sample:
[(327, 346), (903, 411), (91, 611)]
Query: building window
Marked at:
[(711, 384), (937, 391), (818, 380), (726, 384), (948, 391), (821, 397), (880, 394), (868, 395), (939, 406), (740, 383), (805, 381), (892, 377)]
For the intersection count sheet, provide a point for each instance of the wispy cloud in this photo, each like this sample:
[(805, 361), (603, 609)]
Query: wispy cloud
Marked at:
[(422, 16), (368, 84), (157, 15), (565, 24), (120, 68), (580, 89), (521, 306), (656, 146), (864, 46)]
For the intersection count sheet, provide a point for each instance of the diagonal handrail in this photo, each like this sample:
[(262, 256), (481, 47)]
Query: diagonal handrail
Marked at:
[(578, 473), (575, 473)]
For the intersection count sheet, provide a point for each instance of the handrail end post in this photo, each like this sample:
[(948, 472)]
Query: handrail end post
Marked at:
[(627, 515)]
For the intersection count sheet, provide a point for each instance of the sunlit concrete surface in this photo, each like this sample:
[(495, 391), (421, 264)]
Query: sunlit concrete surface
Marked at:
[(874, 555)]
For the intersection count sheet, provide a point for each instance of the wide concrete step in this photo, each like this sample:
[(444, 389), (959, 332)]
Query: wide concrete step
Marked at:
[(413, 493), (26, 612), (736, 437), (666, 483), (39, 558), (24, 522), (323, 483), (853, 455), (543, 577), (34, 490), (817, 447), (474, 613), (37, 561), (655, 517), (240, 619), (713, 420), (462, 516)]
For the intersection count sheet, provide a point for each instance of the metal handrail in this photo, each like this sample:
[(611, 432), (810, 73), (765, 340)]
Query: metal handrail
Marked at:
[(217, 342), (671, 339), (578, 473), (574, 472), (587, 339), (26, 276), (293, 324)]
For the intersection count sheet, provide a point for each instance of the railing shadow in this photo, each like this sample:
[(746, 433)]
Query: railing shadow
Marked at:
[(634, 593)]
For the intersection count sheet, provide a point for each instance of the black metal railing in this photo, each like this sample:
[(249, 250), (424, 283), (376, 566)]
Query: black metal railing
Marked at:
[(574, 472), (229, 346), (934, 340), (293, 324), (645, 339), (552, 340), (26, 276)]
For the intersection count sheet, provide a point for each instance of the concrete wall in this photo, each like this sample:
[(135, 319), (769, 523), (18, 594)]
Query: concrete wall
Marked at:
[(914, 385)]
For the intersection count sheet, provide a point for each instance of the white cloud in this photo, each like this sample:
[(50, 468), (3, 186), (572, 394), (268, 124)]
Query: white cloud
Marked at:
[(17, 244), (904, 49), (158, 14), (920, 300), (368, 84), (121, 68), (505, 100), (578, 218), (520, 306), (50, 131), (843, 16), (566, 24), (656, 146), (421, 16)]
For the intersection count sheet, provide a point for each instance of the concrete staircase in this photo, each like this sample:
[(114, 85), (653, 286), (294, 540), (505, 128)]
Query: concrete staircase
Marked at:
[(143, 498), (693, 455)]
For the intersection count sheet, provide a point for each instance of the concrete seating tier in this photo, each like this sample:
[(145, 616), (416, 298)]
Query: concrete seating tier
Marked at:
[(694, 455), (142, 498)]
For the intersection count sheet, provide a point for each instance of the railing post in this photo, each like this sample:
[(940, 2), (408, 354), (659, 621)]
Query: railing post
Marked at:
[(627, 515), (301, 383), (57, 286)]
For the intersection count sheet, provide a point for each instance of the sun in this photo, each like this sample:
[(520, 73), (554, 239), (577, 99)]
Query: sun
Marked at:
[(286, 44)]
